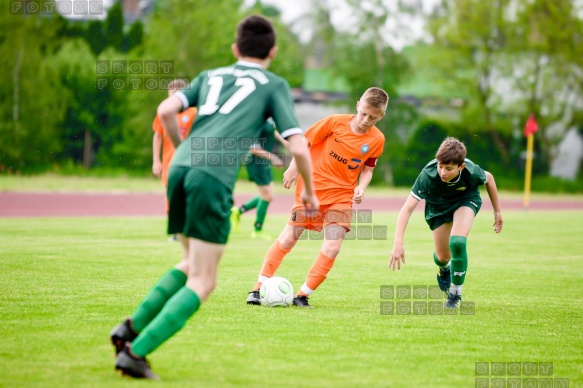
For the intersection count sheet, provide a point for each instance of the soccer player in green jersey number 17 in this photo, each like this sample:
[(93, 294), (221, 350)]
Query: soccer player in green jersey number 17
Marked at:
[(233, 103), (449, 184)]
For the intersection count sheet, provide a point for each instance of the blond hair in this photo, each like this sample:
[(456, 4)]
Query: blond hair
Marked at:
[(376, 97)]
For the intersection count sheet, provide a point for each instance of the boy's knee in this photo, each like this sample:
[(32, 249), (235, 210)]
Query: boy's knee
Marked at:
[(331, 252), (267, 197), (287, 241), (441, 258), (203, 287)]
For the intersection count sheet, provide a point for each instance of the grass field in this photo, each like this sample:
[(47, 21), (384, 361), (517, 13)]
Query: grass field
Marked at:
[(66, 282)]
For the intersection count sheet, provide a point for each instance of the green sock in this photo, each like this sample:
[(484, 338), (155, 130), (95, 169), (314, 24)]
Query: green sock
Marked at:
[(167, 286), (459, 259), (171, 319), (261, 213), (251, 204), (439, 263)]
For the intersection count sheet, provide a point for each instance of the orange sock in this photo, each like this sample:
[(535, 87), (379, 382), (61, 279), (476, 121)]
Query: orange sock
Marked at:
[(272, 260), (318, 272)]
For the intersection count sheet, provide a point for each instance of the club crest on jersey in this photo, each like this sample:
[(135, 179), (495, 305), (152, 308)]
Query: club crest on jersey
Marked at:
[(365, 148)]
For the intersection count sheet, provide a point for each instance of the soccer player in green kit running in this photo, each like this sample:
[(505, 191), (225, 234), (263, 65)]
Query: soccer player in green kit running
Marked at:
[(450, 186), (233, 103)]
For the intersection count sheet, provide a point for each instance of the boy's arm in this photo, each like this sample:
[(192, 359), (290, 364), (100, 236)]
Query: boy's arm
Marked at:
[(156, 160), (493, 194), (274, 159), (281, 140), (363, 182), (167, 111), (303, 163), (398, 251), (291, 174)]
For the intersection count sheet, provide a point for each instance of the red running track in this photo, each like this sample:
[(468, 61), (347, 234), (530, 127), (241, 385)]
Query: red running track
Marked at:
[(29, 204)]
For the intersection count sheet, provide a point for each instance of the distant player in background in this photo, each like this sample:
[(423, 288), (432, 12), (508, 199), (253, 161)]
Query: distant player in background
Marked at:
[(344, 150), (233, 102), (259, 171), (162, 147), (450, 186)]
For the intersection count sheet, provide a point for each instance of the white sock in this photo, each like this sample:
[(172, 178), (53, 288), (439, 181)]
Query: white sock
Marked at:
[(262, 279), (455, 289), (306, 290)]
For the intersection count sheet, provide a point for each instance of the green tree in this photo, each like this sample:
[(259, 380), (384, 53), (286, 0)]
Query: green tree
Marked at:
[(193, 36), (95, 37), (75, 63), (549, 58), (365, 58), (477, 30), (290, 57), (519, 57), (134, 37), (94, 118), (114, 26), (32, 103), (419, 150), (320, 49)]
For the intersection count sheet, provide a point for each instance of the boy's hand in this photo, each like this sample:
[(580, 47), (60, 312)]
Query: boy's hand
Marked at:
[(311, 202), (157, 169), (358, 195), (397, 256), (289, 178), (498, 222)]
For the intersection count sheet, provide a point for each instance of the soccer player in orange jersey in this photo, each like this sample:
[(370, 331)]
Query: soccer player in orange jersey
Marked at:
[(161, 143), (342, 146)]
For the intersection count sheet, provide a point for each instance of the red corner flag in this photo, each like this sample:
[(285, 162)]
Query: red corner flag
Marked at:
[(531, 125)]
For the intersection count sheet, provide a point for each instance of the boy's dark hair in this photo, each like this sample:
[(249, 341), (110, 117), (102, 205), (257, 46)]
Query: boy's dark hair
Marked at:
[(255, 37), (451, 151), (376, 97)]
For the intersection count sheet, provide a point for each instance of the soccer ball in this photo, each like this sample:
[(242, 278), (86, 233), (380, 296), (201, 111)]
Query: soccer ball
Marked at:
[(276, 291)]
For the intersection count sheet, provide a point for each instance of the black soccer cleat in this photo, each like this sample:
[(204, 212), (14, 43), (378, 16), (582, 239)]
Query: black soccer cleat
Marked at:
[(444, 278), (253, 298), (134, 366), (121, 334), (302, 301), (453, 301)]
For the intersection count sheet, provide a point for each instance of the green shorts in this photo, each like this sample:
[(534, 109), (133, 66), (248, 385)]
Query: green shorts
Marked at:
[(435, 216), (261, 174), (199, 205)]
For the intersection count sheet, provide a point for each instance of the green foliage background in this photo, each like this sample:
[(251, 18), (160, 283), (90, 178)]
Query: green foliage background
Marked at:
[(51, 105), (49, 93)]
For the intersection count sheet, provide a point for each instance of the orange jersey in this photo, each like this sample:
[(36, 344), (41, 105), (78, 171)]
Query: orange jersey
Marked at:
[(185, 120), (338, 156)]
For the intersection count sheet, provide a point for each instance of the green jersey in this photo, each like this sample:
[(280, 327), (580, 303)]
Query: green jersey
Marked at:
[(233, 104), (440, 195), (266, 141)]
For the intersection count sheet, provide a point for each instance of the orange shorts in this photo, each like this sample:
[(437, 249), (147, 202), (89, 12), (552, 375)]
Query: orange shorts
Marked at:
[(337, 213)]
